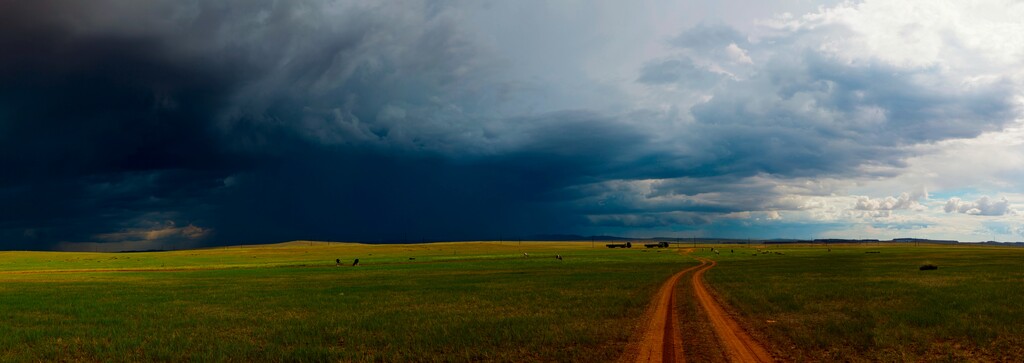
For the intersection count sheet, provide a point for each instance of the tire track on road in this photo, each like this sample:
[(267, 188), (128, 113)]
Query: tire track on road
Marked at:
[(740, 346), (661, 340)]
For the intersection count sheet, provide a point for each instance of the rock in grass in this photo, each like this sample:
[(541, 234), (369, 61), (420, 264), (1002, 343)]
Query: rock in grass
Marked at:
[(929, 267)]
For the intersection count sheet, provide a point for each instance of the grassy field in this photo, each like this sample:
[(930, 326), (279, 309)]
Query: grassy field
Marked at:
[(486, 302), (454, 302), (810, 304)]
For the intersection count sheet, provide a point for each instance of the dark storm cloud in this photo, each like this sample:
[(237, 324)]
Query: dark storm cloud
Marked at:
[(354, 195), (808, 115), (693, 201), (96, 129), (364, 193), (648, 220), (790, 115), (195, 122), (74, 106), (125, 118), (270, 121)]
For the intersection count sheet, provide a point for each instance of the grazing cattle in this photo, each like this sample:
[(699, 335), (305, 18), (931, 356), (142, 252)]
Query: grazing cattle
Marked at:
[(559, 257), (356, 262), (337, 262), (526, 254)]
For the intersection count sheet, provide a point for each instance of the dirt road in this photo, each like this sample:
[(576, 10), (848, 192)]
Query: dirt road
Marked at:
[(739, 345), (661, 340)]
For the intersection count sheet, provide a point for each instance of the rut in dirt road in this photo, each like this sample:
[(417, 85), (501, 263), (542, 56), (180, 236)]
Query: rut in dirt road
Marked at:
[(740, 346), (661, 340)]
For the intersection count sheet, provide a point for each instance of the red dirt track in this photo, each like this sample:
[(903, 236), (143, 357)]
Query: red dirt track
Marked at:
[(662, 342), (740, 346)]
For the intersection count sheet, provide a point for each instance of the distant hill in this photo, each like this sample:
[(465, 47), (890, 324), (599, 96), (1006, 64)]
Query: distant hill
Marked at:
[(572, 237), (925, 240)]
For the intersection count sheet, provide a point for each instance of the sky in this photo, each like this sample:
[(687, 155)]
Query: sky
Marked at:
[(129, 125)]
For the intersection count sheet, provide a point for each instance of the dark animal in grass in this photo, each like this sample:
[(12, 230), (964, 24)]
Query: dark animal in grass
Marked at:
[(337, 262), (929, 267), (356, 262), (559, 257), (412, 258)]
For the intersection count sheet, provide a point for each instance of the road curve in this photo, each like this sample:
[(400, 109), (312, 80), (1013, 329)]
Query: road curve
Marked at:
[(661, 340), (739, 345)]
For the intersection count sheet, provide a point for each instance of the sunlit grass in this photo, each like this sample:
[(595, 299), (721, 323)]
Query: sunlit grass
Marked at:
[(816, 305), (453, 302)]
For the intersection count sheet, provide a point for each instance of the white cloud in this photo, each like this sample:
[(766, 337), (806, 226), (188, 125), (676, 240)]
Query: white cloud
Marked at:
[(983, 206), (992, 162), (915, 93), (954, 35), (737, 54), (903, 201)]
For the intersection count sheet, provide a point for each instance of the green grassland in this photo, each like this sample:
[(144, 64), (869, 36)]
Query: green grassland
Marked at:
[(454, 302), (486, 302), (810, 304)]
